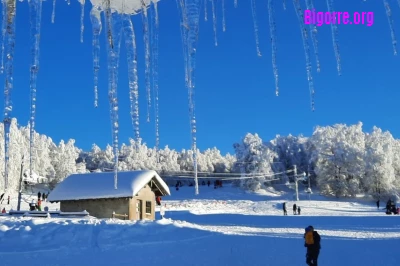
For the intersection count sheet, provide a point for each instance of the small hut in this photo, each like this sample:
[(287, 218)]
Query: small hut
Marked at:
[(94, 192)]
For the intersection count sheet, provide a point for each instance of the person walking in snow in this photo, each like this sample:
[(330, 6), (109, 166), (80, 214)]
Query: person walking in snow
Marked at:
[(43, 196), (294, 209), (298, 210), (39, 195), (284, 208), (377, 204), (8, 200), (312, 241)]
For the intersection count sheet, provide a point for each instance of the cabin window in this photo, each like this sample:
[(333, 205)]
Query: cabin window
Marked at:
[(148, 207)]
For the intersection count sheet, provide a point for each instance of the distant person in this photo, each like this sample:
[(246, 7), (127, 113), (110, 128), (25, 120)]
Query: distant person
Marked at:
[(377, 204), (43, 196), (39, 205), (313, 245), (8, 200), (284, 208), (32, 206), (298, 210), (294, 209), (39, 195), (158, 200)]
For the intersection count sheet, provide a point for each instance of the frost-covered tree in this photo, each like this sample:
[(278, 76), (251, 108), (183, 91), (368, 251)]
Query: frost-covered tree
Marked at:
[(254, 157), (338, 157), (380, 174)]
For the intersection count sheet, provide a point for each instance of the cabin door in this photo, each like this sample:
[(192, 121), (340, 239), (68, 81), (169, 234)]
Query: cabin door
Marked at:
[(139, 212)]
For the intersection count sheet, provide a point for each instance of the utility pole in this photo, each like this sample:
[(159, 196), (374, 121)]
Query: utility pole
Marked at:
[(295, 180), (20, 185)]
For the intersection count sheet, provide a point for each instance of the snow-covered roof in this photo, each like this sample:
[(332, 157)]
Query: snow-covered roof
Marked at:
[(101, 185)]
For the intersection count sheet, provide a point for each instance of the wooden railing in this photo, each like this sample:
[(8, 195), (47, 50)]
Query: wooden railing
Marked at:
[(124, 216)]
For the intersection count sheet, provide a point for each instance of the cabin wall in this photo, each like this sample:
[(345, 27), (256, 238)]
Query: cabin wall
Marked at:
[(100, 208), (137, 205)]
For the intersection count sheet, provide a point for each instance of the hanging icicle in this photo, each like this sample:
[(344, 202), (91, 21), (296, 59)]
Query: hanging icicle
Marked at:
[(131, 54), (35, 12), (9, 44), (272, 30), (304, 36), (114, 21), (254, 14), (390, 19), (53, 13), (314, 31), (108, 22), (146, 56), (96, 29), (223, 16), (3, 32), (154, 46), (205, 10), (335, 35), (190, 12), (82, 18), (214, 21)]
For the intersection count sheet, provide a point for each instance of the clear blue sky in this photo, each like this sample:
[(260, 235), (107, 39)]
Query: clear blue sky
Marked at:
[(235, 88)]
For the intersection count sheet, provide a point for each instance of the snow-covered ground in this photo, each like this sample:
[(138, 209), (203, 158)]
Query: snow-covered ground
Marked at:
[(223, 226)]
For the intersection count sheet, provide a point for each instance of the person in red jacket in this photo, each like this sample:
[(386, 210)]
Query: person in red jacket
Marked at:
[(158, 200)]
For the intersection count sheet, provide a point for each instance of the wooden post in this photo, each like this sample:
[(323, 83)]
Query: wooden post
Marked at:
[(20, 185)]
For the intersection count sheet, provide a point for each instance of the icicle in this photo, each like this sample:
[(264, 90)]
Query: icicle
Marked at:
[(214, 21), (335, 34), (272, 30), (3, 32), (53, 13), (205, 10), (190, 12), (96, 29), (146, 56), (284, 4), (154, 45), (35, 10), (235, 3), (314, 31), (9, 40), (108, 23), (223, 16), (82, 18), (114, 20), (390, 19), (253, 12), (131, 54), (304, 36)]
